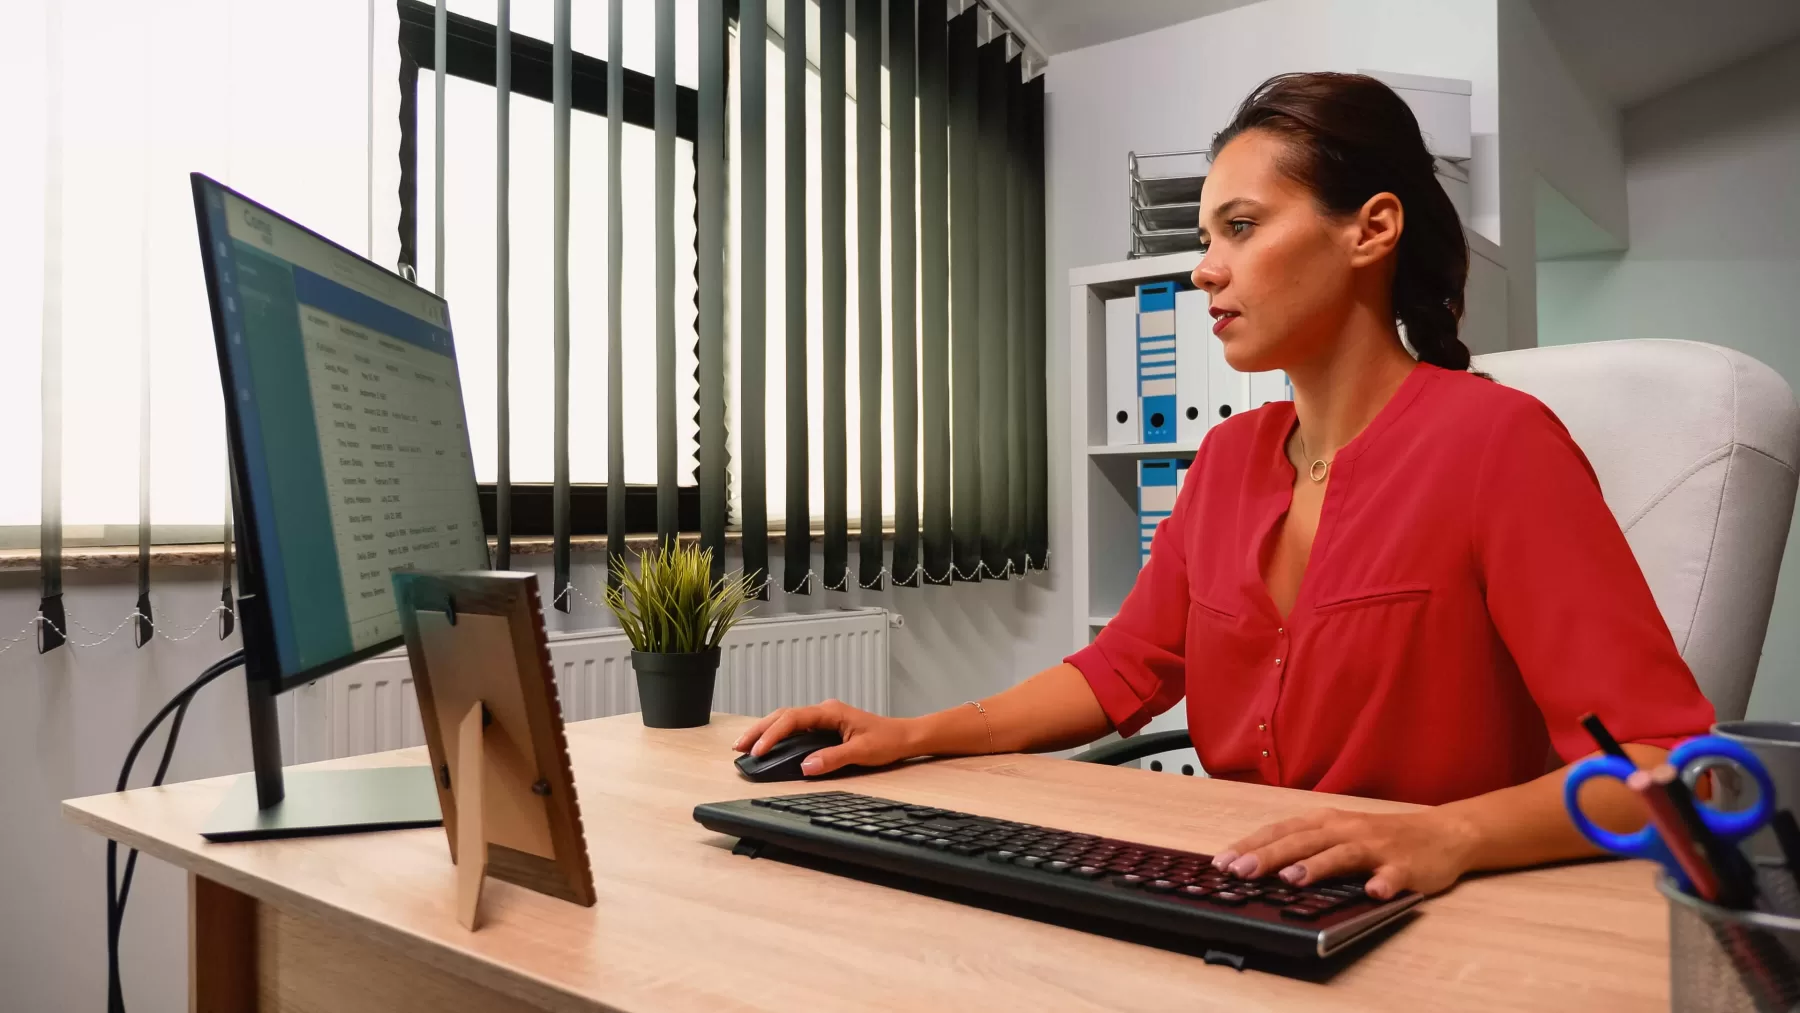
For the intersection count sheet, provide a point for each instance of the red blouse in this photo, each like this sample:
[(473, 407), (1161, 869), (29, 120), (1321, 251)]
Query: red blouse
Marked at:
[(1468, 598)]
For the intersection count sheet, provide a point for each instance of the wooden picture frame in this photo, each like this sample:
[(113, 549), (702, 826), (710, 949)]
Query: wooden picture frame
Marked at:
[(487, 692)]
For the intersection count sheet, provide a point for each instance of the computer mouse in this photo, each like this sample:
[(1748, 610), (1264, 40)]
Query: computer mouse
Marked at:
[(782, 761)]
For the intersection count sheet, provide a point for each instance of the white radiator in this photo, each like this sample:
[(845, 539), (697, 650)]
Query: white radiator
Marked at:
[(777, 661)]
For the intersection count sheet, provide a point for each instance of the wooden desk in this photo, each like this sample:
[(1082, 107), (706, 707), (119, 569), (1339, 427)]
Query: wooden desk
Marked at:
[(365, 923)]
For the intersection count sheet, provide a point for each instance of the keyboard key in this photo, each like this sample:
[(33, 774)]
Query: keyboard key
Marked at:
[(1054, 866), (1002, 856), (1194, 890), (1130, 880), (915, 839), (1229, 898), (1028, 861), (1087, 872), (892, 835), (868, 829), (1300, 912), (764, 802), (966, 849), (940, 843), (1160, 886), (824, 821)]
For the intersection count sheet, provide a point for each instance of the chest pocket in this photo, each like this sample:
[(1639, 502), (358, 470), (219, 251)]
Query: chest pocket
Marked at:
[(1372, 597)]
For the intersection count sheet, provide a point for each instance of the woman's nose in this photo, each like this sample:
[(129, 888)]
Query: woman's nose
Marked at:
[(1209, 275)]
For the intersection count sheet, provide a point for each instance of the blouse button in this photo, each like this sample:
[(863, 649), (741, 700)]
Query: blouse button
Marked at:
[(1262, 727), (1279, 629), (1265, 752), (1277, 661)]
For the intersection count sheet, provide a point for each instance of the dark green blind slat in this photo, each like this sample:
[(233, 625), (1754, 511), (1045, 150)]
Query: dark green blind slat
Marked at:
[(615, 294), (834, 249), (902, 139), (668, 523), (933, 56), (561, 98), (797, 547), (993, 376), (868, 288), (965, 281), (503, 284), (1037, 479), (1014, 542), (753, 28), (709, 153)]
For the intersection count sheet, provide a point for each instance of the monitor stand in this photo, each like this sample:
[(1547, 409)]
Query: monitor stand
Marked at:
[(273, 803)]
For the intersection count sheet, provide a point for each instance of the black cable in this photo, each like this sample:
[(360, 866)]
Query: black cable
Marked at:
[(118, 890)]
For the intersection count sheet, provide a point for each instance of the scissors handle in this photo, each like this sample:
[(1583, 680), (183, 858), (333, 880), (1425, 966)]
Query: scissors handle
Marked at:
[(1641, 843), (1737, 824)]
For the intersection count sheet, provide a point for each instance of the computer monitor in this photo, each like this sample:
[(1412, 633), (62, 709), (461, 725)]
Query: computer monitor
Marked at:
[(349, 453)]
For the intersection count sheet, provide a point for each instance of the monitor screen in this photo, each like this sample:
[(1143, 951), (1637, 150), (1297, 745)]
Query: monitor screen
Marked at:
[(350, 449)]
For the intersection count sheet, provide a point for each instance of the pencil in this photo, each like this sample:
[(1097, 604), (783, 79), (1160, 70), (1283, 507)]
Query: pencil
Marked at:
[(1736, 884), (1668, 824)]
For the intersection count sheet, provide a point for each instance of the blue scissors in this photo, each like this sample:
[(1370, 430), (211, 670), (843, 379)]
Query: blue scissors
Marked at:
[(1693, 756)]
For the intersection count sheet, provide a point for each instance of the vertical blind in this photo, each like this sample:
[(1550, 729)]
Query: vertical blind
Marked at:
[(904, 151)]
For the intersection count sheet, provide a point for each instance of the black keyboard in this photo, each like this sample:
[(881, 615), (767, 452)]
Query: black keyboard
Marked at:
[(1175, 897)]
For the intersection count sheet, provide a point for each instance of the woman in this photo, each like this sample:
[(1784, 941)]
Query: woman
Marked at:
[(1404, 584)]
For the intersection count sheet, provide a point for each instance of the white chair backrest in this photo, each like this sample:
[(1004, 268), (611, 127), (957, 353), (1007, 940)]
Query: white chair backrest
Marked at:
[(1697, 449)]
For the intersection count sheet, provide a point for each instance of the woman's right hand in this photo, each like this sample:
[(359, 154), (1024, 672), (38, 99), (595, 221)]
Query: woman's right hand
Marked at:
[(870, 740)]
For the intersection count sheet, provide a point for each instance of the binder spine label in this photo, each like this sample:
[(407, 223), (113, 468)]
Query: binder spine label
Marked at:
[(1156, 361)]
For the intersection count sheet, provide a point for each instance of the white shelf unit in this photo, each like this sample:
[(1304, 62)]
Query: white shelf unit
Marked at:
[(1104, 478)]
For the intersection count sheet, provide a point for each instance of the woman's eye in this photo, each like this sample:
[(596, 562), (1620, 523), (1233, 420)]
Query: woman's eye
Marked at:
[(1240, 227)]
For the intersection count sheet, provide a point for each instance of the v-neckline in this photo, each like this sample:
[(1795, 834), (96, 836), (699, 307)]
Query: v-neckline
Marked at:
[(1281, 494)]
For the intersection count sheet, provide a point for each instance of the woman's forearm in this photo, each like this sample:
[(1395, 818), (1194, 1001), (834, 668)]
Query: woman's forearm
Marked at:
[(1053, 709), (1527, 824)]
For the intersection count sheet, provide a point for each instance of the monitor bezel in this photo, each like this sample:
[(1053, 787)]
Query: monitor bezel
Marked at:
[(261, 659)]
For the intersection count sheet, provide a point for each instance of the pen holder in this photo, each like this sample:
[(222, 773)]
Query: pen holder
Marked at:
[(1729, 961)]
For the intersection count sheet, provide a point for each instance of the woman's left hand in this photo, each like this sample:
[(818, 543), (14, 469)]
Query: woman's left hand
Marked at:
[(1422, 851)]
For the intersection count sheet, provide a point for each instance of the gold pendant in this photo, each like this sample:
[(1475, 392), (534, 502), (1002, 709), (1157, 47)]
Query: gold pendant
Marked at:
[(1319, 470)]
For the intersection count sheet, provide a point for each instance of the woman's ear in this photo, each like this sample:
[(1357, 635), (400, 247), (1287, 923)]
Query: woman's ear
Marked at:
[(1378, 226)]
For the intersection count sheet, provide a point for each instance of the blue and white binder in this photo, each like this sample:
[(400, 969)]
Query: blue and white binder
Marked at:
[(1193, 333), (1159, 482), (1269, 387), (1121, 372), (1156, 361)]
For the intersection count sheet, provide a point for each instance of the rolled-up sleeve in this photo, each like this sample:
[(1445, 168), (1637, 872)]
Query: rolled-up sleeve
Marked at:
[(1568, 598), (1137, 666)]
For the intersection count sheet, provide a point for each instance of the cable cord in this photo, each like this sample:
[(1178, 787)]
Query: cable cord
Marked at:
[(119, 889)]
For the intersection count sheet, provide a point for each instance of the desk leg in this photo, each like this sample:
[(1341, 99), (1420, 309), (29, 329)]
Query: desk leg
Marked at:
[(221, 948)]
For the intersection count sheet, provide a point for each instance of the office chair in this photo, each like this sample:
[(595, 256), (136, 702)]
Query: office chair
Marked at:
[(1697, 449)]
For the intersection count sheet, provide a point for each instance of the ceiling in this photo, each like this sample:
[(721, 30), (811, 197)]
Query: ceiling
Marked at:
[(1630, 50), (1626, 50)]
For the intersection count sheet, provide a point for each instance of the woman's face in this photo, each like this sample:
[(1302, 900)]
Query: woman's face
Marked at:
[(1281, 272)]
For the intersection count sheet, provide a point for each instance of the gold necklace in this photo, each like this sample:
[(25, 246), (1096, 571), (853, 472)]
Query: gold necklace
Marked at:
[(1320, 469)]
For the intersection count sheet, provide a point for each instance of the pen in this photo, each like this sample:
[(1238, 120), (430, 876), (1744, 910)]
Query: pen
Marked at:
[(1735, 883), (1787, 834)]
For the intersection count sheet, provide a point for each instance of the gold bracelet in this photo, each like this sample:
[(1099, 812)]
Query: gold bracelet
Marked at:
[(985, 723)]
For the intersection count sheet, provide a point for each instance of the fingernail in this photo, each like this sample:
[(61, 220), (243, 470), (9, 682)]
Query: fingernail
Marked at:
[(1244, 867), (1294, 873), (1223, 859), (811, 765)]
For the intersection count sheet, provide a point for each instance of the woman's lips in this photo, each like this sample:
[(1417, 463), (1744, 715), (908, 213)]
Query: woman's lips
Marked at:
[(1222, 320)]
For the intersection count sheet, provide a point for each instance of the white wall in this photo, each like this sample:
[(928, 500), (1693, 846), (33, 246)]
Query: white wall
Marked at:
[(66, 720), (1552, 131), (1713, 179)]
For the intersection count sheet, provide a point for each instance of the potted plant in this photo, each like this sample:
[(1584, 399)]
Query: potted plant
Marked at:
[(675, 614)]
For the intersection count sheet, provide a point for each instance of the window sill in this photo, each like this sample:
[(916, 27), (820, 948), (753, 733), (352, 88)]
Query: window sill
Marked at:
[(125, 557)]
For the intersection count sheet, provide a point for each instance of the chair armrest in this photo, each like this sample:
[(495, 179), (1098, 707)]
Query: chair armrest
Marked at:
[(1135, 748)]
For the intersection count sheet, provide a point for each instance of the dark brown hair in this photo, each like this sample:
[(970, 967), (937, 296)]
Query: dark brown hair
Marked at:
[(1350, 138)]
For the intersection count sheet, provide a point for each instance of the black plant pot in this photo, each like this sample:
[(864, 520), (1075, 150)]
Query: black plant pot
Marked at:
[(675, 690)]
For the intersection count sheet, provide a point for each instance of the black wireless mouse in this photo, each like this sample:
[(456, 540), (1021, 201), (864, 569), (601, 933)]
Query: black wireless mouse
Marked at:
[(782, 761)]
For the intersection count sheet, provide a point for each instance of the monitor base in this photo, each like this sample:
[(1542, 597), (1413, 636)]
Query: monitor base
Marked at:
[(319, 802)]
